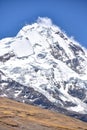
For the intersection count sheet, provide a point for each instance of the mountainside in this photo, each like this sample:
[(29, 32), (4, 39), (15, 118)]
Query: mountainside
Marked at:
[(43, 66), (19, 116)]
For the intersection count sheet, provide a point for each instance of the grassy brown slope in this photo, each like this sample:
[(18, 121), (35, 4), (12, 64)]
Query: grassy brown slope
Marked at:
[(19, 116)]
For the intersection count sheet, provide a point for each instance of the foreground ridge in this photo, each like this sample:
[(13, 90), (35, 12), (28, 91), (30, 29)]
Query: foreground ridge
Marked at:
[(19, 116)]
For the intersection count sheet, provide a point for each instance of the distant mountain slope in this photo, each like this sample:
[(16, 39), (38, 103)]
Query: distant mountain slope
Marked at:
[(19, 116), (43, 66)]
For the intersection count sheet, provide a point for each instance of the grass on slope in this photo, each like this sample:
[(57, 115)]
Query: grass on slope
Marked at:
[(19, 116)]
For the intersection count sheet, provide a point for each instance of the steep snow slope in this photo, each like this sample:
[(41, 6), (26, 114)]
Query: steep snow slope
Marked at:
[(48, 68)]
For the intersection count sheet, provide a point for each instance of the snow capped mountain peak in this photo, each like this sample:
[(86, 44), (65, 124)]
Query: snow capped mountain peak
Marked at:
[(44, 66)]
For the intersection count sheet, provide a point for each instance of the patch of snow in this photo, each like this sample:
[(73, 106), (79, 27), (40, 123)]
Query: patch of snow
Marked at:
[(4, 95), (22, 48), (79, 109), (17, 93)]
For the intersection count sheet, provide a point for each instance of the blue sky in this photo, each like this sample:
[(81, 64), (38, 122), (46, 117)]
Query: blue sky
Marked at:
[(69, 15)]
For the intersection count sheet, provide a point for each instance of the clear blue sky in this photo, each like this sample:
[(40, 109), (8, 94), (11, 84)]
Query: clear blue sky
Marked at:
[(69, 15)]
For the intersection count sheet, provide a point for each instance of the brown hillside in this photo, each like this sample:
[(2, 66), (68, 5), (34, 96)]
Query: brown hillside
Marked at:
[(19, 116)]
